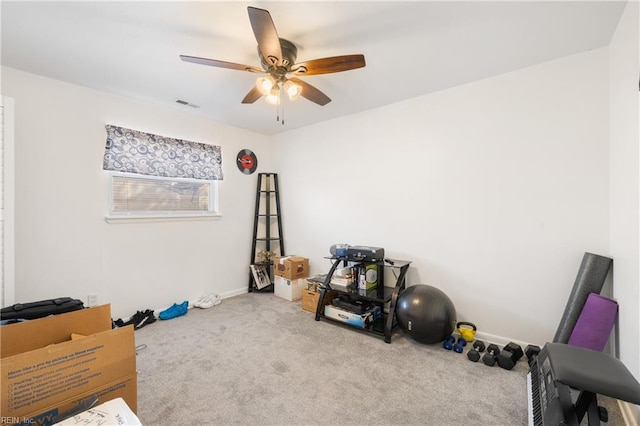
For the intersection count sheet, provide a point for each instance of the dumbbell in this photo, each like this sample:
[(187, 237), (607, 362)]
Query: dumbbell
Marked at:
[(510, 355), (459, 347), (492, 353), (451, 344), (531, 351), (474, 352)]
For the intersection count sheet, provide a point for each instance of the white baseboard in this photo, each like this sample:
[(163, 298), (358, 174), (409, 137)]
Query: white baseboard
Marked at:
[(224, 295), (630, 413), (235, 292), (500, 340)]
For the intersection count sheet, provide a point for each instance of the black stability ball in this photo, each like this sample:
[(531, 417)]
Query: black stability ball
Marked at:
[(425, 313)]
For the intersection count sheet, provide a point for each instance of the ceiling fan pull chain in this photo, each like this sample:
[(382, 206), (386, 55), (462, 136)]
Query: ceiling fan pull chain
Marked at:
[(280, 106)]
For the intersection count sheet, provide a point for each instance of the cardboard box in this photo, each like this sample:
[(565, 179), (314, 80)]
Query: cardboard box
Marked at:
[(46, 376), (290, 290), (358, 320), (310, 299), (291, 267), (313, 283)]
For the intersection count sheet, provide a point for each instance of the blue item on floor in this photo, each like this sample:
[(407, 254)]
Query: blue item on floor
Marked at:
[(174, 311)]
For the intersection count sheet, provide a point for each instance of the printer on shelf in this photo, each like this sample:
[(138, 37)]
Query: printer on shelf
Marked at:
[(365, 253), (357, 253)]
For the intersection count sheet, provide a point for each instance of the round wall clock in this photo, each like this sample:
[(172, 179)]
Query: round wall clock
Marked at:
[(247, 161)]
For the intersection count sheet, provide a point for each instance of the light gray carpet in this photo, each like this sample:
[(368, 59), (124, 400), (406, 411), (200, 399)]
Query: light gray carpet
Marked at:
[(256, 359)]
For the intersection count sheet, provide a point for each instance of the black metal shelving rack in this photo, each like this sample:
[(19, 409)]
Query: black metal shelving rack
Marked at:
[(381, 295), (267, 194)]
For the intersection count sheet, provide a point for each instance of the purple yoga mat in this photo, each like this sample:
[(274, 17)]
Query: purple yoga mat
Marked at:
[(595, 323)]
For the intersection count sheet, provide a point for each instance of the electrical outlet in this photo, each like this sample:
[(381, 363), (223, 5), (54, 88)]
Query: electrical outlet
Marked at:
[(92, 300)]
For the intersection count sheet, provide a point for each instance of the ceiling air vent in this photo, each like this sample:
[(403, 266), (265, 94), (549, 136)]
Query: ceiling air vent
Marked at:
[(181, 102)]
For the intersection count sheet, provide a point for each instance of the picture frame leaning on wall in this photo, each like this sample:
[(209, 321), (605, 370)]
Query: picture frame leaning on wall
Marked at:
[(260, 275)]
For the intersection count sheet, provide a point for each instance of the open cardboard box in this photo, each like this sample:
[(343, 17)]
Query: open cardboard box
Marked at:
[(47, 376)]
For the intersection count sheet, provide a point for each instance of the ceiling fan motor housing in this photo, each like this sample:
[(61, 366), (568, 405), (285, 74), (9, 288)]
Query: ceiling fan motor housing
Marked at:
[(289, 55)]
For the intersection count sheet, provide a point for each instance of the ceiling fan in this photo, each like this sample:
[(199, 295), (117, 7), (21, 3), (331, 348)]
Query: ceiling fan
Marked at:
[(279, 68)]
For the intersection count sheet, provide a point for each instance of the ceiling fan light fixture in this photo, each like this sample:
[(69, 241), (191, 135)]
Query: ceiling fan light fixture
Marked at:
[(292, 89), (278, 60), (273, 97), (265, 84)]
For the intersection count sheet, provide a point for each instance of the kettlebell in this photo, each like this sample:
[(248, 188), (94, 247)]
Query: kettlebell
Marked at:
[(467, 330)]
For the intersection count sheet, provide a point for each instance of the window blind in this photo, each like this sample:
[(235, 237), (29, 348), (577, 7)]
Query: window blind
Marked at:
[(154, 195)]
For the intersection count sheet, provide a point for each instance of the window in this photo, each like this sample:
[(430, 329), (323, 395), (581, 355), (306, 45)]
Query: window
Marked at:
[(152, 196), (156, 176)]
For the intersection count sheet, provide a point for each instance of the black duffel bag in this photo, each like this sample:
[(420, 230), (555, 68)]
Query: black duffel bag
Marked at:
[(42, 308)]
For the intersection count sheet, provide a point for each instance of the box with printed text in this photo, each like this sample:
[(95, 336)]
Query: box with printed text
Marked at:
[(60, 365), (359, 320)]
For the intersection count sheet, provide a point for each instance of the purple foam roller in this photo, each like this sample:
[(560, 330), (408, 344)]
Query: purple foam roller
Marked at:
[(595, 323), (590, 279)]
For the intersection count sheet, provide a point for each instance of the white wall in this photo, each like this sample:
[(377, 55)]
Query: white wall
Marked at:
[(493, 189), (625, 182), (64, 247)]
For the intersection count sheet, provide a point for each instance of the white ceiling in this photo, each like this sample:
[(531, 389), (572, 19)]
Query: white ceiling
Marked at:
[(411, 48)]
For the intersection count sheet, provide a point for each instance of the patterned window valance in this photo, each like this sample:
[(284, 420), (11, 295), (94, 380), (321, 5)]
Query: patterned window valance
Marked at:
[(133, 151)]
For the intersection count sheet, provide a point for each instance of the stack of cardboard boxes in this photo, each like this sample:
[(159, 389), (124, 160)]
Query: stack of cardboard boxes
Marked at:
[(290, 276), (291, 281)]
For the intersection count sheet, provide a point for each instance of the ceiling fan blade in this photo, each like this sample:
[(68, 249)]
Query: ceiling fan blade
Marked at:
[(253, 95), (221, 64), (266, 35), (311, 93), (329, 65)]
